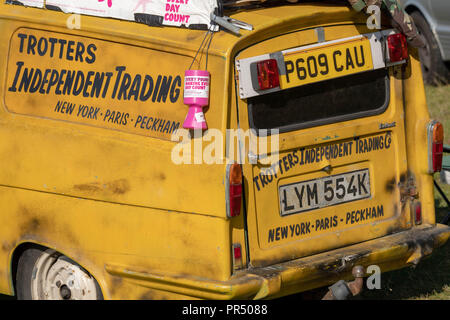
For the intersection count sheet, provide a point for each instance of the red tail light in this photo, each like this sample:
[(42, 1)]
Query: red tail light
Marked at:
[(267, 71), (435, 146), (417, 212), (234, 199), (398, 48)]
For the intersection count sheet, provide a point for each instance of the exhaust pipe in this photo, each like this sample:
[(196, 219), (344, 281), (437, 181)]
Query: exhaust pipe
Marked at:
[(341, 290)]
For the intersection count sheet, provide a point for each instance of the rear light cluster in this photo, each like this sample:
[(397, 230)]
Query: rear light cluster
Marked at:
[(234, 190), (234, 203), (435, 133), (398, 48), (267, 75)]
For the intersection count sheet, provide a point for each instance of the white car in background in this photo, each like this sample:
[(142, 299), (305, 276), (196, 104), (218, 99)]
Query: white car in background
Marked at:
[(432, 18)]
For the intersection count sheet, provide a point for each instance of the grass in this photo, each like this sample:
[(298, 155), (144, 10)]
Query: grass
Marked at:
[(430, 280), (438, 99)]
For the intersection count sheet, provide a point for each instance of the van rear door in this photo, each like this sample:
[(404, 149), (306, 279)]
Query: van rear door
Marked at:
[(342, 157)]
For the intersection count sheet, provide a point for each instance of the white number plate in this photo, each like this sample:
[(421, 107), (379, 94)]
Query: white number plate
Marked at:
[(328, 191)]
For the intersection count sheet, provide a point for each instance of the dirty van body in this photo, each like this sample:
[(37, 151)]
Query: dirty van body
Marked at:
[(93, 205)]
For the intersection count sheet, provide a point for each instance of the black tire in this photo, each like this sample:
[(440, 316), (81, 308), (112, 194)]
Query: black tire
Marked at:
[(434, 69), (25, 270), (24, 273)]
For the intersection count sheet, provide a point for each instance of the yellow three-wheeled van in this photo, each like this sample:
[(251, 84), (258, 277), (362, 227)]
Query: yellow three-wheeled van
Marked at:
[(104, 194)]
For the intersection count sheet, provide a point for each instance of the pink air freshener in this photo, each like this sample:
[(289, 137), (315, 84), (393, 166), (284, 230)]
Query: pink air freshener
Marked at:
[(196, 96)]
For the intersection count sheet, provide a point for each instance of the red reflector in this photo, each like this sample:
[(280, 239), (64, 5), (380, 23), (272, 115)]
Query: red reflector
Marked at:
[(268, 74), (418, 212), (237, 256), (398, 49), (237, 252)]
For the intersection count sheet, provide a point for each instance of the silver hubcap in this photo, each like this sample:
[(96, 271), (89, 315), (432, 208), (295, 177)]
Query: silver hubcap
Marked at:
[(57, 278)]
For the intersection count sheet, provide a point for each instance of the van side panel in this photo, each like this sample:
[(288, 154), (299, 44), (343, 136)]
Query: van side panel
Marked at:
[(96, 234), (95, 192), (134, 168)]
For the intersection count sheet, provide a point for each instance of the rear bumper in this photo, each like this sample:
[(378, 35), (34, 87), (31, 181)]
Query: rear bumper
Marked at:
[(389, 253)]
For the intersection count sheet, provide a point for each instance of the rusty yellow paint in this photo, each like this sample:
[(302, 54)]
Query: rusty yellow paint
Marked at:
[(396, 215), (102, 103), (416, 119), (108, 195), (277, 280)]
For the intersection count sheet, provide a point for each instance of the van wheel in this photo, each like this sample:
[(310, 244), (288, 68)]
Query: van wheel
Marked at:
[(44, 274), (434, 69)]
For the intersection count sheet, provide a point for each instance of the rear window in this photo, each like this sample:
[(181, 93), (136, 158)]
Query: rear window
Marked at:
[(335, 100)]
